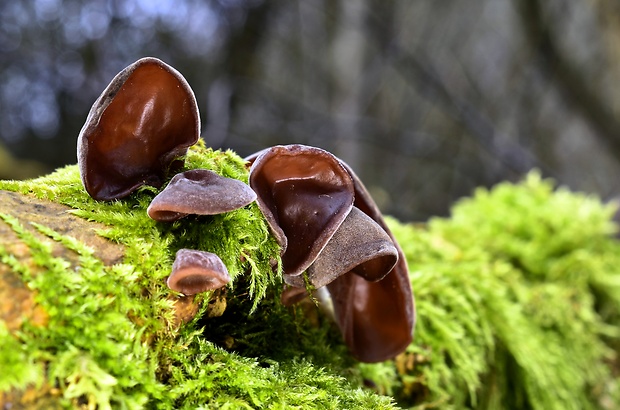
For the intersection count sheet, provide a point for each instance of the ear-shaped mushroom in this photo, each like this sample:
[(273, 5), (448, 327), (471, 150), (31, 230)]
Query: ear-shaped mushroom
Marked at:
[(144, 120), (375, 318), (359, 246), (199, 192), (305, 193), (197, 271)]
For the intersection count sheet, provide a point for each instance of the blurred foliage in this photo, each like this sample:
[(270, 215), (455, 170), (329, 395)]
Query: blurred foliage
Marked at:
[(518, 301), (425, 100)]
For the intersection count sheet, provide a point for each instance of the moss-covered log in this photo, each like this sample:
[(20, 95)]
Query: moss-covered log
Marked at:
[(88, 321), (518, 299)]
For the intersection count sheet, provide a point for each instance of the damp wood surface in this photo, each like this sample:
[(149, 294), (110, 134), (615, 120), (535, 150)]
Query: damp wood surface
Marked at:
[(17, 301)]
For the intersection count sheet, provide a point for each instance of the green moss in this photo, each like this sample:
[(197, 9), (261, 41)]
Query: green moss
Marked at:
[(241, 238), (215, 378), (517, 299), (111, 342), (517, 295), (90, 346), (21, 369)]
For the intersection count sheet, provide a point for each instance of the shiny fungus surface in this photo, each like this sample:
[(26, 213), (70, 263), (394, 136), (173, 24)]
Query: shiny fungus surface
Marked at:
[(305, 193), (143, 121), (376, 318)]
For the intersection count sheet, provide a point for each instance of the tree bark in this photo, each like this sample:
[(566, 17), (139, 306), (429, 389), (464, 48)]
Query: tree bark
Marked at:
[(18, 303)]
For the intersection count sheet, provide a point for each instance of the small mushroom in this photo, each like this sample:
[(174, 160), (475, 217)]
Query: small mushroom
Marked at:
[(197, 271), (199, 192), (359, 246), (305, 194), (144, 121)]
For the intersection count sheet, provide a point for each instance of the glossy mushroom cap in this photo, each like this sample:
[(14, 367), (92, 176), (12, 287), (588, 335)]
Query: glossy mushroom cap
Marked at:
[(360, 264), (199, 192), (305, 193), (360, 246), (143, 121), (197, 271)]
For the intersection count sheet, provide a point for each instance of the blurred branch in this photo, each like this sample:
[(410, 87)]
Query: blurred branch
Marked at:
[(567, 77), (238, 63), (425, 79)]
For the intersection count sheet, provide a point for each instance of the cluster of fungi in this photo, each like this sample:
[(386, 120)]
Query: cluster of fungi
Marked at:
[(331, 233)]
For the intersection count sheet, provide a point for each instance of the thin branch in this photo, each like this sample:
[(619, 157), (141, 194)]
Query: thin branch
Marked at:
[(423, 76)]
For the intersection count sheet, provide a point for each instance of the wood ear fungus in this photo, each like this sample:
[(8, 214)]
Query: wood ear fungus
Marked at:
[(352, 253), (305, 194), (376, 318), (197, 271), (199, 192), (144, 120), (359, 246)]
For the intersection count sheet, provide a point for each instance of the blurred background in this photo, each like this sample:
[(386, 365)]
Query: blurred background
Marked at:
[(425, 100)]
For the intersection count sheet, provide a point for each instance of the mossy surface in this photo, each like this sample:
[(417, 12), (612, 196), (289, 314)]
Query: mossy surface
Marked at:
[(111, 340), (517, 295), (517, 299)]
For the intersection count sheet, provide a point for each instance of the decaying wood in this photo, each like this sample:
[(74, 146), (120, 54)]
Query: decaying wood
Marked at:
[(18, 302)]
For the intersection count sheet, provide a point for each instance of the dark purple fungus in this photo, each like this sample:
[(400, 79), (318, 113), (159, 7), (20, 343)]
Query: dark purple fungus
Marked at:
[(359, 246), (360, 264), (199, 192), (197, 271), (305, 193), (376, 318), (144, 121)]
